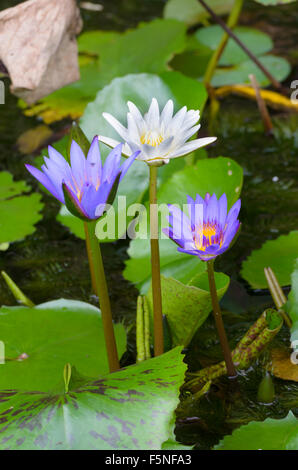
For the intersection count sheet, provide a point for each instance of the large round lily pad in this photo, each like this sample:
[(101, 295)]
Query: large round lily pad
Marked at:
[(279, 254), (40, 340), (132, 409)]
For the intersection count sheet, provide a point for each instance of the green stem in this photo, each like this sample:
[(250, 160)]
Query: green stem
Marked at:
[(90, 260), (104, 300), (232, 21), (219, 322), (155, 264)]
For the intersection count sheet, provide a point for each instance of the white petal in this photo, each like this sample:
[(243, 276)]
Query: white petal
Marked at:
[(177, 120), (139, 120), (163, 148), (190, 119), (133, 130), (113, 143), (152, 117), (185, 135), (191, 146), (122, 131), (167, 114)]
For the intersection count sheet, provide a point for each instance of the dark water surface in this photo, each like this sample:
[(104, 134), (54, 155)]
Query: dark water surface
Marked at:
[(52, 263)]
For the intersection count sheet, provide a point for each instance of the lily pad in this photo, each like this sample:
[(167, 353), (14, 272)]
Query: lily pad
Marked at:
[(40, 340), (277, 66), (205, 176), (131, 409), (211, 175), (271, 434), (258, 42), (191, 12), (18, 213), (280, 254), (275, 2), (187, 306)]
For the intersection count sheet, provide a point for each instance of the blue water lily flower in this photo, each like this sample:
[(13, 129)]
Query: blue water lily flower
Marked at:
[(208, 230), (84, 185)]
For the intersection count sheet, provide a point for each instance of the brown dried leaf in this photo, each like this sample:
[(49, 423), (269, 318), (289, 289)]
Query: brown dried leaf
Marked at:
[(282, 366)]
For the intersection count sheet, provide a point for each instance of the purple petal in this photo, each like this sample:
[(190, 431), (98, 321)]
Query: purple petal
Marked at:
[(233, 212), (93, 163), (78, 163), (125, 166), (44, 180), (111, 165), (222, 209), (212, 210)]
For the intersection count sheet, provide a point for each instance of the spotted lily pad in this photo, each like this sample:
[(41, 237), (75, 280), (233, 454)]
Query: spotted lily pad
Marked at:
[(129, 410), (280, 254), (18, 213), (40, 340), (187, 306), (271, 434)]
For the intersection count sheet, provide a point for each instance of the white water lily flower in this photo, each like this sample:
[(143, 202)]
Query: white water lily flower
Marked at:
[(159, 136)]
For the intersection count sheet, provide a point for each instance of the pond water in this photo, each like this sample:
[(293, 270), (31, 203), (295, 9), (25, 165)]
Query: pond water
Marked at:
[(52, 263)]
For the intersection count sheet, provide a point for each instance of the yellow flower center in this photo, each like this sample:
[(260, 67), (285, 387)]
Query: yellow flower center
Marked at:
[(203, 234), (152, 138)]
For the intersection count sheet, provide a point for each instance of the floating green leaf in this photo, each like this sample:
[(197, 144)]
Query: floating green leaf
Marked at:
[(40, 340), (130, 409), (211, 175), (18, 214), (274, 2), (191, 12), (187, 306), (206, 176), (280, 254), (278, 66), (258, 43), (271, 434)]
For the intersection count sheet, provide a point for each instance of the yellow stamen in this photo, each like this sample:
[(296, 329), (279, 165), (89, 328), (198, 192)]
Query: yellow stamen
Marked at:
[(151, 138)]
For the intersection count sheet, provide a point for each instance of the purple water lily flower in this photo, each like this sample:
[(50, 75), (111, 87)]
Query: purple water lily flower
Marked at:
[(84, 185), (208, 230)]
